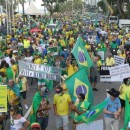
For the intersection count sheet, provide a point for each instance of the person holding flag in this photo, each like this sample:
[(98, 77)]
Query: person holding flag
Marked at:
[(40, 107), (80, 106)]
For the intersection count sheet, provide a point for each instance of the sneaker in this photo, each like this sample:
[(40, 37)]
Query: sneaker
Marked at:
[(26, 107)]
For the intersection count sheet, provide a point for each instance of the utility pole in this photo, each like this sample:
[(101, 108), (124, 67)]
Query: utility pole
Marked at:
[(7, 18)]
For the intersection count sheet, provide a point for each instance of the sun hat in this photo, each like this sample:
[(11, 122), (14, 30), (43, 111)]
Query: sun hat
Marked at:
[(113, 92)]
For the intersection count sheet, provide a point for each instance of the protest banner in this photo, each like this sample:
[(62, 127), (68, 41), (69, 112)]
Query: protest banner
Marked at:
[(118, 73), (95, 125), (101, 53), (105, 74), (119, 60), (39, 71), (3, 98)]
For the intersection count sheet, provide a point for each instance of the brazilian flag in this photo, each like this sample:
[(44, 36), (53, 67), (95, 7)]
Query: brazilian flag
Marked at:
[(79, 83), (92, 114), (127, 114), (49, 84), (35, 104), (81, 55)]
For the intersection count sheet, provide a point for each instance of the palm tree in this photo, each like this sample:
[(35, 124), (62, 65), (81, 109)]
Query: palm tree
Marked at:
[(120, 8)]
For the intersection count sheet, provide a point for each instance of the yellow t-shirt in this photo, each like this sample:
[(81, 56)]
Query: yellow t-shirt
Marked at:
[(70, 70), (124, 91), (67, 34), (110, 61), (24, 83), (38, 61), (62, 42), (71, 41), (15, 69), (88, 47), (26, 43), (11, 96), (122, 55), (76, 68), (3, 70), (99, 63), (62, 104)]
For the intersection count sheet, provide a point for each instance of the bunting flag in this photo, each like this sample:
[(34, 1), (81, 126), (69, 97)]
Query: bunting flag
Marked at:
[(79, 83), (81, 55)]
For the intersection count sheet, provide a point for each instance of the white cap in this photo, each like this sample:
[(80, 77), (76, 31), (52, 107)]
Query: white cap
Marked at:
[(14, 51)]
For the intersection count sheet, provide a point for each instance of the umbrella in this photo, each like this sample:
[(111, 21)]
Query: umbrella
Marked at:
[(35, 30)]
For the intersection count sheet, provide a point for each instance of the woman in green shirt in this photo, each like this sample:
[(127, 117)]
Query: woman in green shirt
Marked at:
[(81, 106)]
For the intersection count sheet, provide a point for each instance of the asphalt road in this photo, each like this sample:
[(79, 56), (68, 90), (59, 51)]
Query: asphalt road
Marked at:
[(99, 96)]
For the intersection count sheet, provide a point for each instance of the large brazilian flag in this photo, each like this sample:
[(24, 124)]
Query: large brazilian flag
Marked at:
[(79, 83), (81, 55)]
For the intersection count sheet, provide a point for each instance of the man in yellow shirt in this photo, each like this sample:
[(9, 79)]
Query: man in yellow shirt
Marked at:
[(110, 61), (61, 105), (26, 43), (13, 94)]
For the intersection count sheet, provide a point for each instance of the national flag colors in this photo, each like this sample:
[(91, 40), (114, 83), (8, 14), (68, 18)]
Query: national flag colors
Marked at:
[(79, 83), (81, 55), (49, 84), (91, 114), (127, 114), (35, 104)]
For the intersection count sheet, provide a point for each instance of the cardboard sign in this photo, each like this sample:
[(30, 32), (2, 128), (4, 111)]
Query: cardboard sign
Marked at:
[(3, 98), (101, 53), (95, 125), (118, 73), (39, 71), (119, 60)]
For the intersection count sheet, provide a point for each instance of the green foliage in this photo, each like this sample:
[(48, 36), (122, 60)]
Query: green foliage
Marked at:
[(117, 6), (52, 5), (68, 6)]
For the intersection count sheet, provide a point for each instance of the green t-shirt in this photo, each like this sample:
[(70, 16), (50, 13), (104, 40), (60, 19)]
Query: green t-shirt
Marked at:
[(114, 45), (9, 73)]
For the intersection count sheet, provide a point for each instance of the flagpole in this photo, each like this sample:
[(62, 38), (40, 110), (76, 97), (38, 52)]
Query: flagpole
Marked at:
[(66, 125)]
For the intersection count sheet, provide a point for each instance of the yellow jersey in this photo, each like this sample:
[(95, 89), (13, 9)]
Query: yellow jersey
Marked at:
[(62, 104), (124, 91)]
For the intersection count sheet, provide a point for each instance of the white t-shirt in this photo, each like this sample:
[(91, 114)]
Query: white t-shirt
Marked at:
[(17, 124), (28, 59), (7, 59)]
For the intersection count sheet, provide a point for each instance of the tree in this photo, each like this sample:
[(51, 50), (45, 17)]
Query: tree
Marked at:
[(68, 6), (52, 5), (116, 5)]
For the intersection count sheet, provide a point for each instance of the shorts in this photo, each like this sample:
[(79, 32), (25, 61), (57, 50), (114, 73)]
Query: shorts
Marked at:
[(93, 79), (43, 121), (23, 94), (62, 121)]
